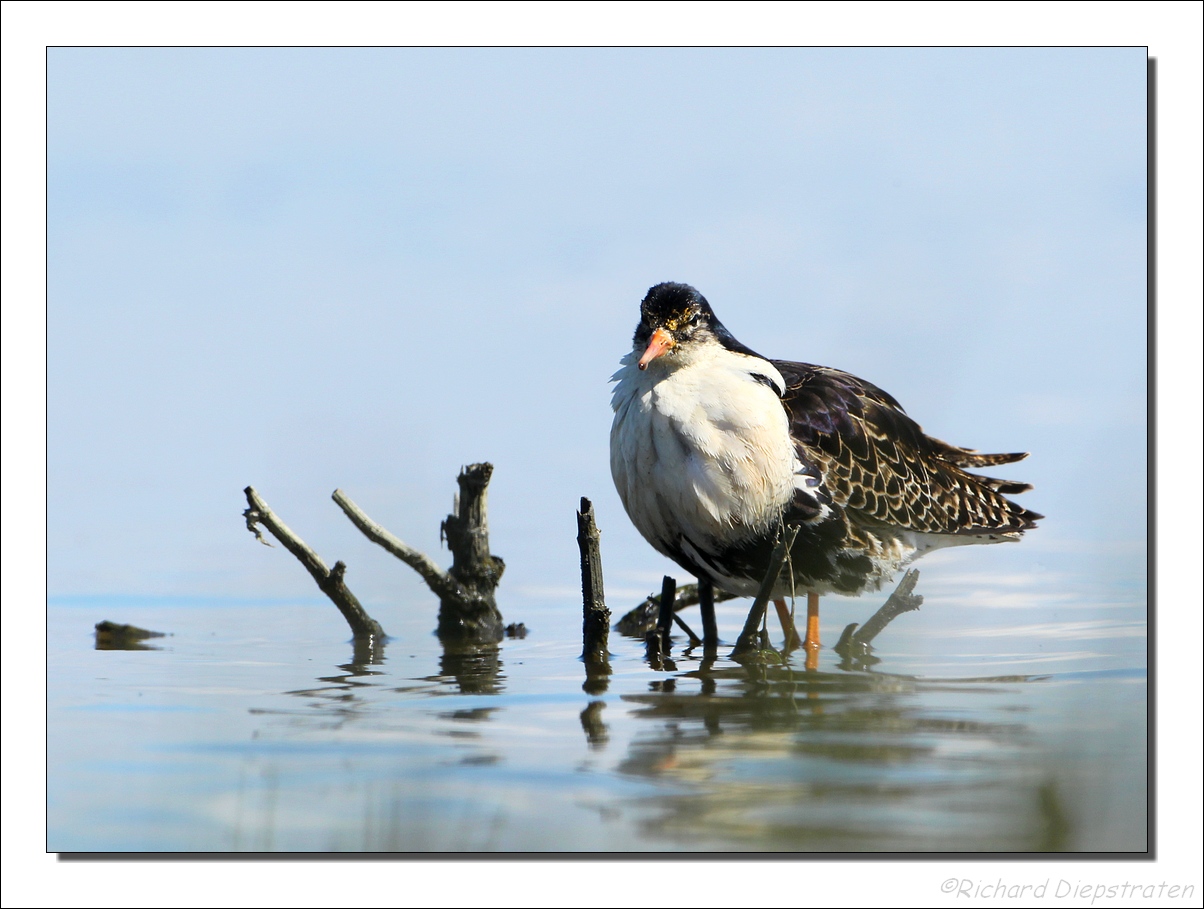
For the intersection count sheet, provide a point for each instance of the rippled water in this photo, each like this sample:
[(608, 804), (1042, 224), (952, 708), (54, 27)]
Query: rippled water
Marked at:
[(1008, 714)]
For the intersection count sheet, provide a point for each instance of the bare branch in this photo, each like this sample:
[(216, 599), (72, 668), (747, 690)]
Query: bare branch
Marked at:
[(252, 517), (644, 617), (329, 581), (442, 584), (902, 600)]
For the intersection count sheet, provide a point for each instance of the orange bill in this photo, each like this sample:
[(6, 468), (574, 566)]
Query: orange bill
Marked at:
[(661, 342)]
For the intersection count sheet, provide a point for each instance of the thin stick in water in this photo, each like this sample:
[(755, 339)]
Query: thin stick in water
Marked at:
[(329, 580), (596, 619)]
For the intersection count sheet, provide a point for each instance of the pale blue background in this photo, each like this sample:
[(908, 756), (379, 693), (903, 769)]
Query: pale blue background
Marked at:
[(304, 269)]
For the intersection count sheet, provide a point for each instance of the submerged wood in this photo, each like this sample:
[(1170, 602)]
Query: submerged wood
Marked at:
[(117, 636), (595, 629), (695, 640), (855, 642), (468, 610), (645, 616), (466, 530), (749, 639), (652, 650), (330, 580)]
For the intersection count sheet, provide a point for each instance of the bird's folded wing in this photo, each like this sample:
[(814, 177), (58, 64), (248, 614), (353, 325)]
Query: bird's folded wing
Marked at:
[(879, 465)]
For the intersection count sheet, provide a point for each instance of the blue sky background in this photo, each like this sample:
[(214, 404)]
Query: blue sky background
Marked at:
[(309, 269)]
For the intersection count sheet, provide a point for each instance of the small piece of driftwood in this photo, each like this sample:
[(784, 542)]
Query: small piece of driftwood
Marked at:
[(330, 580), (468, 609), (595, 628), (749, 639), (645, 616), (116, 636), (695, 640), (855, 642)]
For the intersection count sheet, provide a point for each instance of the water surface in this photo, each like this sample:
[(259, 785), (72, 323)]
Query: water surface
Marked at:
[(1008, 714)]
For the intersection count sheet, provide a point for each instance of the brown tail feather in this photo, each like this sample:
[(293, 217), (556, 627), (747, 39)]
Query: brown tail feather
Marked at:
[(1021, 521), (968, 457), (973, 459), (1007, 487)]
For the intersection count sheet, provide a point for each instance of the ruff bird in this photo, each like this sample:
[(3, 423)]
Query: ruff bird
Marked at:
[(714, 448)]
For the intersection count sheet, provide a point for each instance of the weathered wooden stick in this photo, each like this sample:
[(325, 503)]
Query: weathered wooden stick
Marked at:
[(442, 584), (748, 639), (687, 595), (694, 639), (645, 616), (652, 650), (467, 605), (329, 580), (856, 641), (467, 534), (706, 605), (665, 619), (596, 622)]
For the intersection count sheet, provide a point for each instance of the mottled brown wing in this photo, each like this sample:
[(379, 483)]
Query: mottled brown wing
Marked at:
[(878, 463)]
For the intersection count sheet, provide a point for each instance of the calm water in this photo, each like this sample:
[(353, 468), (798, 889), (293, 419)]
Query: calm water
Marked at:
[(1009, 713)]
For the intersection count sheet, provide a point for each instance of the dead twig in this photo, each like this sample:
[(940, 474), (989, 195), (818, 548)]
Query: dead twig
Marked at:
[(329, 580), (439, 581), (854, 643), (695, 640), (644, 617)]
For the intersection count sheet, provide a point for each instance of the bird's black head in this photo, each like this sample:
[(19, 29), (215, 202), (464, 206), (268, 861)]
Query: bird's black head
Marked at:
[(673, 315), (674, 306)]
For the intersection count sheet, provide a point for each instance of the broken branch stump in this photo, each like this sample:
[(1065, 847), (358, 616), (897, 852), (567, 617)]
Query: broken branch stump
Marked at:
[(855, 642), (595, 629), (468, 610), (330, 580)]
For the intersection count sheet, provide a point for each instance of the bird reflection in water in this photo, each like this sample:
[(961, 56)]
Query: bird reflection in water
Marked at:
[(768, 754), (773, 750)]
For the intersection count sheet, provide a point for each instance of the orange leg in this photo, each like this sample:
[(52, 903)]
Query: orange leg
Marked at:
[(793, 641), (811, 641)]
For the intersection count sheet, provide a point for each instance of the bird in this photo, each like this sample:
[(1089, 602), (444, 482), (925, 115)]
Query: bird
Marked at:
[(715, 449)]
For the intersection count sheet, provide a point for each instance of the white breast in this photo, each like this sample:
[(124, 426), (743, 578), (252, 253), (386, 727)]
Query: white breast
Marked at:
[(701, 449)]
